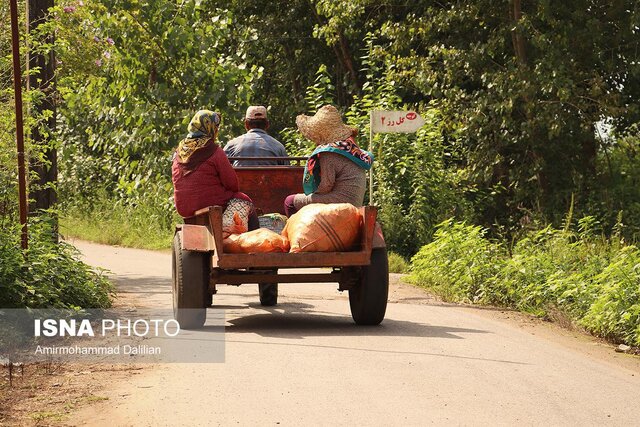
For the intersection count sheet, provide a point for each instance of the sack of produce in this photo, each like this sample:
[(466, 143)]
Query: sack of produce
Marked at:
[(324, 228), (235, 219), (256, 241)]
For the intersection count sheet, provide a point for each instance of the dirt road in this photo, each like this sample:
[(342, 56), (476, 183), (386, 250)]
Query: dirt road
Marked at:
[(305, 362)]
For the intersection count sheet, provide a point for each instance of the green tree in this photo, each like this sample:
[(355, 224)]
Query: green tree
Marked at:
[(280, 40), (524, 82), (132, 75)]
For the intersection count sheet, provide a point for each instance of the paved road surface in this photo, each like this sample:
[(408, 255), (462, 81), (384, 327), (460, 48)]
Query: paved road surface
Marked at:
[(306, 363)]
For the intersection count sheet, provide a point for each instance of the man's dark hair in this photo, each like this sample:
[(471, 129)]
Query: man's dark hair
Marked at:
[(257, 123)]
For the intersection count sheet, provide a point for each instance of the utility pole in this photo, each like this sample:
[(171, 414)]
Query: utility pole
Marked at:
[(43, 190), (17, 90)]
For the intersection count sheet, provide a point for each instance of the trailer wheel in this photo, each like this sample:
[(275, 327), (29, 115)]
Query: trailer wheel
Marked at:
[(190, 274), (268, 294), (368, 300)]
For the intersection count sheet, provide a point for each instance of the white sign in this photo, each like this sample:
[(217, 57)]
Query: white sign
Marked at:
[(395, 121)]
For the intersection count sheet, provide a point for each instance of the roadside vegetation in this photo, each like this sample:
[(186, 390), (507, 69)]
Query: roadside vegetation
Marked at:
[(397, 264), (576, 273), (532, 110), (144, 224), (48, 275)]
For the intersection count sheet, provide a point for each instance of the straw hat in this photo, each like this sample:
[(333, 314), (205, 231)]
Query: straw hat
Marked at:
[(325, 126)]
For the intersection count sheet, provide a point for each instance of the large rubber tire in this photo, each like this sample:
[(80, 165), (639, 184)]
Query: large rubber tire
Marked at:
[(190, 285), (268, 294), (368, 300)]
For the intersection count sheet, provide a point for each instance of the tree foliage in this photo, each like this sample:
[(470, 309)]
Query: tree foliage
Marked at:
[(142, 71), (529, 105), (524, 84)]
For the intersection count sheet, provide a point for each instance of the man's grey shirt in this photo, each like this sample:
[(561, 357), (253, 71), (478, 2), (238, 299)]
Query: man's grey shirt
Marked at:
[(256, 143)]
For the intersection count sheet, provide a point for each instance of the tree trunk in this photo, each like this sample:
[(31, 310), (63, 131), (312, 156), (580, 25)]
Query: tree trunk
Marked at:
[(298, 92), (515, 12), (45, 165), (343, 55), (347, 60), (43, 190)]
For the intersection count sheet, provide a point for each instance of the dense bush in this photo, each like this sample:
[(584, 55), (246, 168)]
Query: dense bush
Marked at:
[(593, 280), (615, 313), (616, 193), (458, 263), (48, 275)]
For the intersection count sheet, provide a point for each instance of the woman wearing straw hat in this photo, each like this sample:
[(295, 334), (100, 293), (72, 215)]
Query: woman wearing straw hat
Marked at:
[(202, 175), (336, 170)]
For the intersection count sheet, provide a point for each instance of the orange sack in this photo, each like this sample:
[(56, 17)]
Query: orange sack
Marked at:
[(318, 227), (260, 240)]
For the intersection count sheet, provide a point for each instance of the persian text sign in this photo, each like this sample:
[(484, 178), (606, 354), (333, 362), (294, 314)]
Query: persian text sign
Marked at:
[(395, 121)]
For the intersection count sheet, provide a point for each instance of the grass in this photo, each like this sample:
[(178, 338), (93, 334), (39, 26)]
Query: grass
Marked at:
[(47, 416), (93, 398), (145, 225), (112, 231), (397, 264)]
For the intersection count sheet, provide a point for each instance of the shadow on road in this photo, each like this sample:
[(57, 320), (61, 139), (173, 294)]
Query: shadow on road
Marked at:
[(301, 325), (291, 320), (142, 284), (280, 324), (298, 320)]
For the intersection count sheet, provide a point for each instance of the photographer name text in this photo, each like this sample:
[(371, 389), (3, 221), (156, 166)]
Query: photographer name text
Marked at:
[(75, 350)]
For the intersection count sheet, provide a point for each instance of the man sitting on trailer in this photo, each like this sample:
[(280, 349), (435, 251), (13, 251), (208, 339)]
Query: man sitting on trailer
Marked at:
[(256, 142)]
